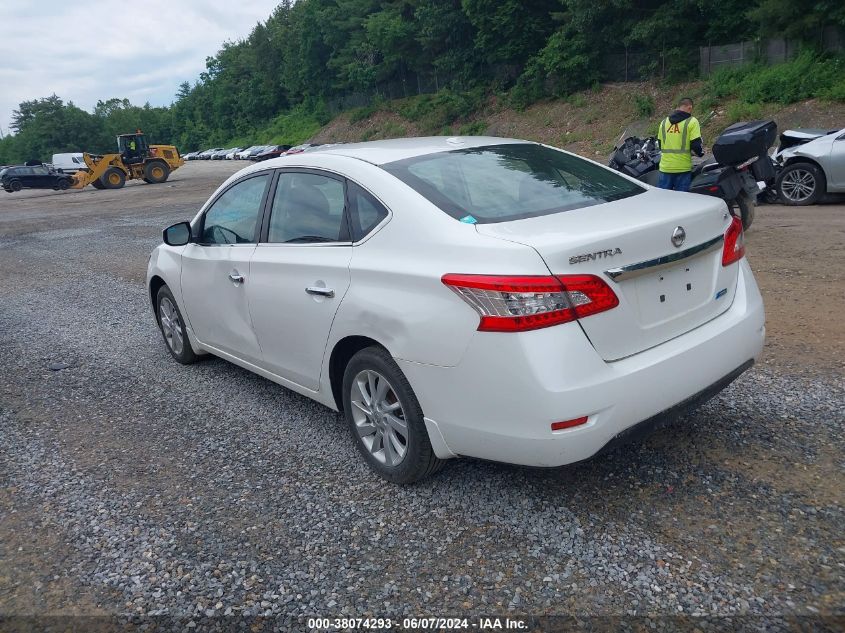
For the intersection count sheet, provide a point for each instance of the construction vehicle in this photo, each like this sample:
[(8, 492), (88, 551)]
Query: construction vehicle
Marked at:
[(135, 160)]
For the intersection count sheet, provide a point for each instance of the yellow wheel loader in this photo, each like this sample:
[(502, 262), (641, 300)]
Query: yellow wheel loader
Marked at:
[(135, 160)]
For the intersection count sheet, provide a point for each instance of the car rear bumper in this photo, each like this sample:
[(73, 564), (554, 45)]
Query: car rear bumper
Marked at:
[(499, 402)]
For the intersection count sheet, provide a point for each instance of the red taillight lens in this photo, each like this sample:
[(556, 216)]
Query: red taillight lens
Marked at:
[(568, 424), (734, 243), (519, 304)]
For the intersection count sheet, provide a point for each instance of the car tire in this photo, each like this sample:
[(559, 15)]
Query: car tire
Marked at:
[(801, 184), (15, 185), (64, 184), (391, 436), (172, 327), (156, 171), (113, 178)]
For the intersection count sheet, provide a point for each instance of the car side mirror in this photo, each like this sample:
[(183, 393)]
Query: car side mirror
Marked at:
[(177, 235)]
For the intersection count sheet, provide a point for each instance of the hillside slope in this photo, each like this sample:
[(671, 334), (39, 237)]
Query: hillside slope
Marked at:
[(588, 123)]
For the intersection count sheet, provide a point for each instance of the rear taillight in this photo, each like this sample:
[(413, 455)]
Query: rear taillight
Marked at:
[(734, 243), (518, 304)]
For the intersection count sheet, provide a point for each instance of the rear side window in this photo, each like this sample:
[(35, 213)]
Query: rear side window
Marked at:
[(365, 211), (499, 183)]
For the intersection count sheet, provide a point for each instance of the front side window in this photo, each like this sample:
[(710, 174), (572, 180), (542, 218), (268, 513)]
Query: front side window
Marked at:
[(499, 183), (234, 215), (307, 208)]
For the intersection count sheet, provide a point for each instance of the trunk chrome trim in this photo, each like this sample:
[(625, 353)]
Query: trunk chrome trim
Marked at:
[(652, 265)]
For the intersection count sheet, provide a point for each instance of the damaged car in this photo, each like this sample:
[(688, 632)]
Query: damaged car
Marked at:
[(811, 163)]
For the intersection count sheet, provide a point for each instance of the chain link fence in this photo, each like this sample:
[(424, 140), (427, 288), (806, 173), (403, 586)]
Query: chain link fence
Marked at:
[(771, 51), (626, 65), (406, 85)]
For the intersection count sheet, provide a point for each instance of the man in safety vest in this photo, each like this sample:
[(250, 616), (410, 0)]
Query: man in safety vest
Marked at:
[(679, 135)]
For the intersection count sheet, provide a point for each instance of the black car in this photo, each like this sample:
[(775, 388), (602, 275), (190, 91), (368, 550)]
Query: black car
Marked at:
[(33, 177), (271, 151)]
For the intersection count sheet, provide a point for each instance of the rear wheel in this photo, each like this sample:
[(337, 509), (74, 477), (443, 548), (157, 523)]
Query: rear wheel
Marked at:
[(385, 418), (156, 171), (15, 185), (801, 184), (114, 178), (64, 184), (97, 184)]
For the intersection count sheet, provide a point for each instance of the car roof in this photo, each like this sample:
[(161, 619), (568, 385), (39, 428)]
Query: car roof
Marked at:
[(382, 152)]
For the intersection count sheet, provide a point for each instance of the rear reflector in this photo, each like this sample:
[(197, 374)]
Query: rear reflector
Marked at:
[(568, 424), (522, 303), (734, 243)]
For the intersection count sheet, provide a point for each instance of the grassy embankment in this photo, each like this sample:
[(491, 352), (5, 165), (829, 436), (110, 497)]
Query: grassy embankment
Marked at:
[(807, 91)]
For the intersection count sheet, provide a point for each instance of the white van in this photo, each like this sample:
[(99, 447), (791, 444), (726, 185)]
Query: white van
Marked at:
[(69, 163)]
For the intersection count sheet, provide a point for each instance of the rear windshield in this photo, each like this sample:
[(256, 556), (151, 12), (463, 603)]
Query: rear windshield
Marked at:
[(499, 183)]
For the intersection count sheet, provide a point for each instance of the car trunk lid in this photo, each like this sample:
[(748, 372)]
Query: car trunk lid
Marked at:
[(664, 289)]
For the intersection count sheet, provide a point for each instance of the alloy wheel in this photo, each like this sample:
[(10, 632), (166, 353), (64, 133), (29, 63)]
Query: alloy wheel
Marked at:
[(379, 418), (798, 185), (171, 325)]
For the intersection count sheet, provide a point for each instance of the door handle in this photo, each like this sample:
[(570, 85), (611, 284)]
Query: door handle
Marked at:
[(317, 290), (236, 278)]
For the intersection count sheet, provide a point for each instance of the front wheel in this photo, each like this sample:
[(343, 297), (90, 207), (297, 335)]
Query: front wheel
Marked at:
[(385, 418), (172, 327), (15, 185), (801, 184)]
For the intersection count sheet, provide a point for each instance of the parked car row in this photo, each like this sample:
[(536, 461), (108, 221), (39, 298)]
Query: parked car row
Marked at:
[(255, 153)]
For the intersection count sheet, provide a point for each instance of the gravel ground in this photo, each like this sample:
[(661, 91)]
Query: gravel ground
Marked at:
[(132, 485)]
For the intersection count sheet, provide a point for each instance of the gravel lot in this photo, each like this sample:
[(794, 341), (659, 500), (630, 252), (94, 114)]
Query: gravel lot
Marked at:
[(132, 485)]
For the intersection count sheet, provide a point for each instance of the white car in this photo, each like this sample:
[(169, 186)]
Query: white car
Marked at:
[(478, 296), (811, 163), (244, 154)]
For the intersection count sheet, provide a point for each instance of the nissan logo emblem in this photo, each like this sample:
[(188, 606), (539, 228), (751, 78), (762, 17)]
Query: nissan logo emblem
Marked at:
[(678, 236)]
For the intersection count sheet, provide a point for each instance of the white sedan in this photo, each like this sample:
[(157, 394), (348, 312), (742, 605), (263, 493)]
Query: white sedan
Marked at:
[(480, 297)]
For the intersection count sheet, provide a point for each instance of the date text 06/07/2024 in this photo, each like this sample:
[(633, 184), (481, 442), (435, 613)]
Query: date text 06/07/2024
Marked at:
[(418, 624)]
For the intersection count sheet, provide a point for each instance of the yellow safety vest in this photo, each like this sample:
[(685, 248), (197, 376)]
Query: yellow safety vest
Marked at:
[(675, 141)]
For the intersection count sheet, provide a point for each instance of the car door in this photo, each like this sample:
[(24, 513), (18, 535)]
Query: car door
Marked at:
[(42, 178), (836, 165), (28, 177), (216, 269), (300, 272)]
